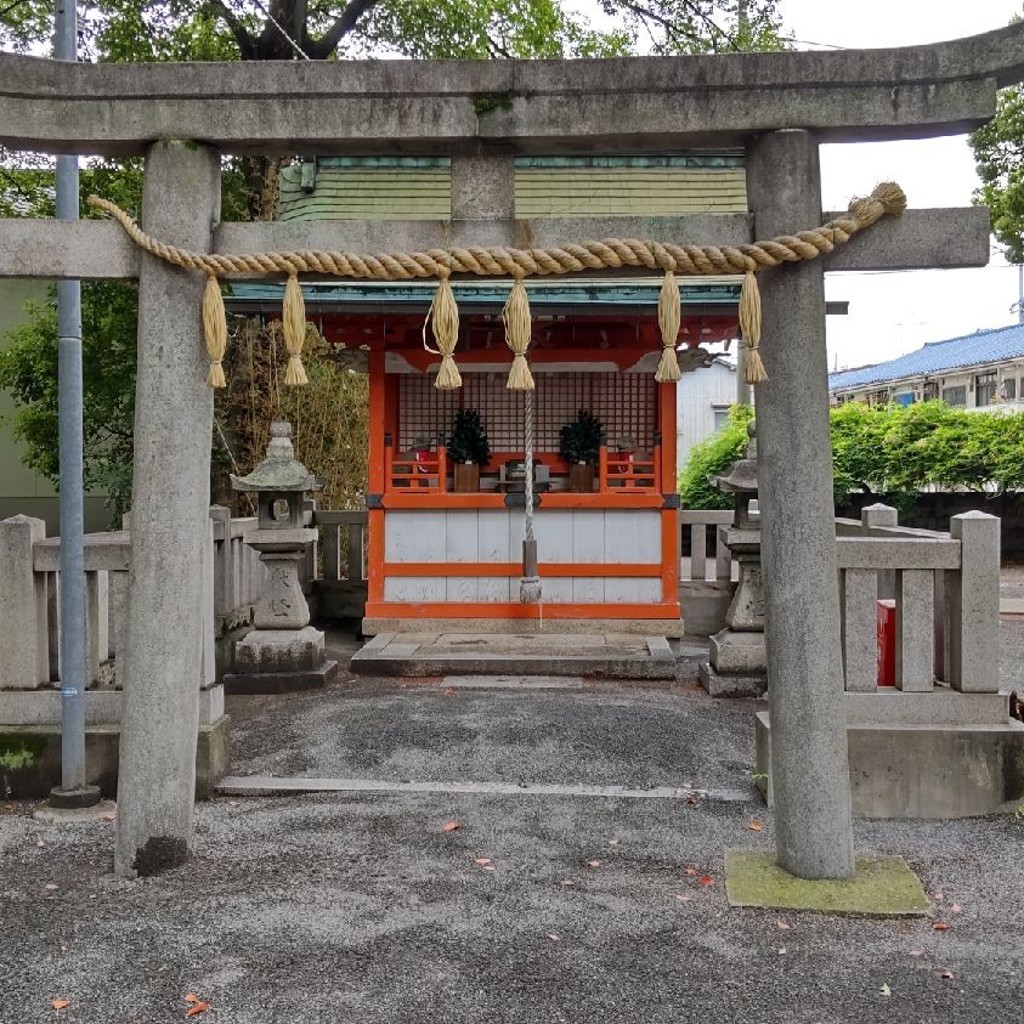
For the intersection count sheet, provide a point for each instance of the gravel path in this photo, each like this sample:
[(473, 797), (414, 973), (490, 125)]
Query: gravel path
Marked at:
[(363, 909)]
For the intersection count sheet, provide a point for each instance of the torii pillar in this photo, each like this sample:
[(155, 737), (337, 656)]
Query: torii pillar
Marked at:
[(810, 777), (170, 520)]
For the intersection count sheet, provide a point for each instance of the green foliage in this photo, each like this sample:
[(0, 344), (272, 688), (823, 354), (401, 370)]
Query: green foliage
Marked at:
[(894, 451), (712, 457), (581, 438), (28, 370), (999, 152), (697, 26), (20, 751), (468, 442), (488, 28)]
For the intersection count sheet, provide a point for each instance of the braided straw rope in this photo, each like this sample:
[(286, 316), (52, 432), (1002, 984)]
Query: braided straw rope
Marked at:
[(498, 261)]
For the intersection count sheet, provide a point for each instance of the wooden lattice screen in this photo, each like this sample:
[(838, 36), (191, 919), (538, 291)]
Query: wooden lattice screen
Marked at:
[(625, 402)]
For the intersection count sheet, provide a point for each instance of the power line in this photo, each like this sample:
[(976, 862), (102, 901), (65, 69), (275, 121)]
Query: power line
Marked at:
[(273, 21)]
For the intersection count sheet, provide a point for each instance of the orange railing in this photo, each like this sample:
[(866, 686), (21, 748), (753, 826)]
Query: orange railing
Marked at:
[(416, 472), (628, 471)]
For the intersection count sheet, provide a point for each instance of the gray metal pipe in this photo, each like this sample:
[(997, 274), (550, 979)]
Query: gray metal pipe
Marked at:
[(72, 790)]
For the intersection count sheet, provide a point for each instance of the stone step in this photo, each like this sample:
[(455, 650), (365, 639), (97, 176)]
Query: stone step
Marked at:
[(606, 655)]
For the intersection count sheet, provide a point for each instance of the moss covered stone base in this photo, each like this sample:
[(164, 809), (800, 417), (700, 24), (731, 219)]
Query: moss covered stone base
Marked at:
[(30, 759), (882, 887)]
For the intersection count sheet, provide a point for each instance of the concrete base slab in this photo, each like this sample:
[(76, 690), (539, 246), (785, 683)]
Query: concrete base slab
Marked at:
[(882, 887), (280, 682), (105, 810), (738, 653), (704, 605), (923, 770), (670, 628), (732, 684), (608, 655), (102, 707), (102, 742), (513, 682), (273, 785)]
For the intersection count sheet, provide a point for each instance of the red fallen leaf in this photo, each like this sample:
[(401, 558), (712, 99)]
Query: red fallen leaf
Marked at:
[(691, 872), (940, 926), (60, 1004), (705, 880), (955, 909), (482, 862), (756, 826), (451, 826), (693, 799), (190, 998), (944, 975), (782, 926), (197, 1008), (450, 691), (593, 863)]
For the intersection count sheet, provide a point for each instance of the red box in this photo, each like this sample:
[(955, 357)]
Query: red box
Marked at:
[(886, 633)]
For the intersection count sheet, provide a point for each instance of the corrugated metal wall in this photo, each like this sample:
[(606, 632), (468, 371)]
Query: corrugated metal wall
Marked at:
[(698, 395)]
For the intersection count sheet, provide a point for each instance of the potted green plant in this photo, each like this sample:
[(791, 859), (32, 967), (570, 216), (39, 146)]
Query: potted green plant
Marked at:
[(580, 443), (469, 449)]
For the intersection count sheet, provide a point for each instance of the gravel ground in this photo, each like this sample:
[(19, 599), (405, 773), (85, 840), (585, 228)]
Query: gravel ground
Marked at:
[(361, 908)]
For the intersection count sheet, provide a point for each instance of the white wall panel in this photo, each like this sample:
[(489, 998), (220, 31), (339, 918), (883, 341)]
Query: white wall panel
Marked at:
[(632, 536)]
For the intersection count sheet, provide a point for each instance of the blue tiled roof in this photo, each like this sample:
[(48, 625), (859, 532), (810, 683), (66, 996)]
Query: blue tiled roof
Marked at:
[(937, 356)]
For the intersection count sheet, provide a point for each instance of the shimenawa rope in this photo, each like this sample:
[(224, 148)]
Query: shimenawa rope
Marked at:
[(499, 261)]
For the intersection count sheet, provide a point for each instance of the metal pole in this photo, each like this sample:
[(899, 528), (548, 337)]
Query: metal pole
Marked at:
[(73, 791)]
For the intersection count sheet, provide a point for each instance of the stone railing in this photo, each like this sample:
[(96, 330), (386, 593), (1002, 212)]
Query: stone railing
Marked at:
[(341, 591), (30, 605), (945, 591), (705, 601)]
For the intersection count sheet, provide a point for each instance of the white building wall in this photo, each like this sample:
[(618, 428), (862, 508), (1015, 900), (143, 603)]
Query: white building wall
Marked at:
[(699, 396)]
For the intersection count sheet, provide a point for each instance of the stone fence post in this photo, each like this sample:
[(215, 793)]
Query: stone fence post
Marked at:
[(24, 644), (972, 605)]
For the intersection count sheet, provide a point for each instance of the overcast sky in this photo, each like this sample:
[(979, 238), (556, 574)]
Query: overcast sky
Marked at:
[(893, 313), (896, 312)]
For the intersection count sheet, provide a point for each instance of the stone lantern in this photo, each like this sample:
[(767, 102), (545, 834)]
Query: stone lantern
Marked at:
[(737, 665), (283, 651)]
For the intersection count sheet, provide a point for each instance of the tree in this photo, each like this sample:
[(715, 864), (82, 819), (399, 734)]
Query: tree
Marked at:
[(181, 30), (999, 152)]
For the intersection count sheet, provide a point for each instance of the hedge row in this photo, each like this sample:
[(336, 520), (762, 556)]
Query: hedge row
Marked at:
[(892, 450)]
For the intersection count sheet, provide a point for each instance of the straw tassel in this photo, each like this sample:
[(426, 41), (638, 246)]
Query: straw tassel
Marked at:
[(750, 329), (444, 319), (669, 318), (516, 317), (215, 330), (293, 317)]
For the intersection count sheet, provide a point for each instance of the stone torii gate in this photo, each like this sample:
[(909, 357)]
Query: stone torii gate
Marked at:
[(778, 107)]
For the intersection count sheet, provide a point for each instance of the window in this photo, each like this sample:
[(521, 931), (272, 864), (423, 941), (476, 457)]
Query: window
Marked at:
[(721, 415), (985, 389), (956, 395), (931, 391), (1009, 389)]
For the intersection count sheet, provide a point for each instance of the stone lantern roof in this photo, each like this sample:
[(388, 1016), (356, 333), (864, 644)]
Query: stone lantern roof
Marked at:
[(280, 470)]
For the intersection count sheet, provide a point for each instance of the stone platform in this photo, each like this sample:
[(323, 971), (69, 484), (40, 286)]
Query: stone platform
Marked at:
[(608, 655), (924, 755)]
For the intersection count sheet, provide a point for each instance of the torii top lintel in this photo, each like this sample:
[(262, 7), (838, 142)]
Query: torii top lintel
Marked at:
[(634, 104)]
